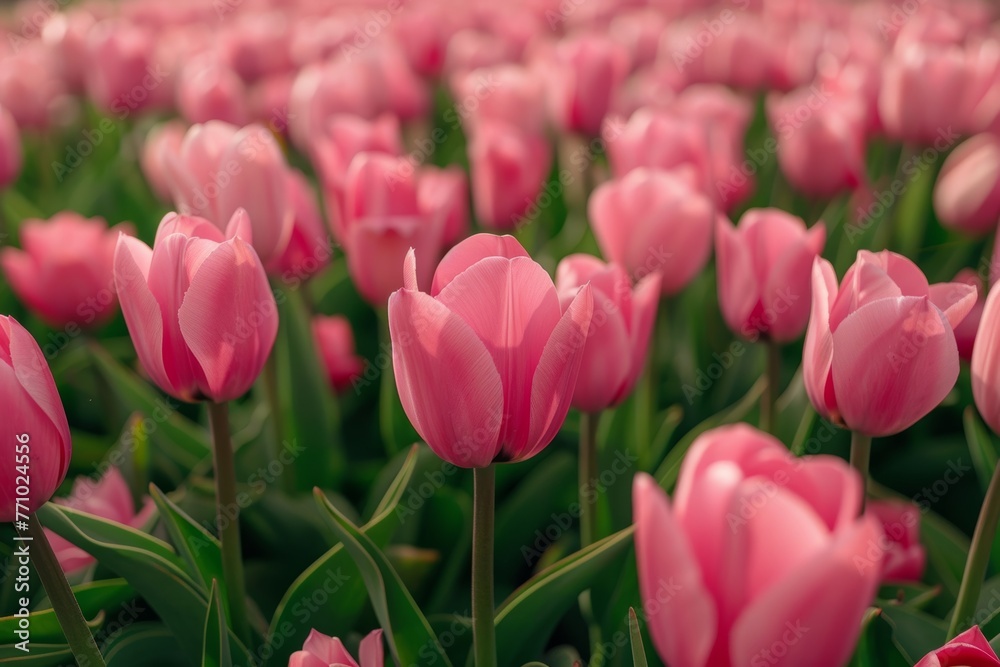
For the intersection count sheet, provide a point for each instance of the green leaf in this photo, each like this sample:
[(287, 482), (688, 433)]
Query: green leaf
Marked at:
[(199, 548), (93, 597), (984, 453), (410, 636), (914, 632), (638, 652), (215, 647), (39, 655), (526, 619), (672, 417), (149, 645)]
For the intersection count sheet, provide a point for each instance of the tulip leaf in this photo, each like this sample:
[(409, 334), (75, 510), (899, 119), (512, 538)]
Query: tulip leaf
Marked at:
[(526, 619), (334, 576), (199, 548), (984, 453), (914, 632), (638, 652), (39, 655), (146, 644), (93, 598), (215, 648), (410, 636)]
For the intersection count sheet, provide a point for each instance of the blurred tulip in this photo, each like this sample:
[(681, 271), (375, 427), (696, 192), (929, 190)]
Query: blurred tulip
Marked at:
[(335, 342), (65, 272), (320, 650), (763, 265), (221, 168), (31, 88), (446, 191), (163, 140), (10, 149), (965, 332), (654, 220), (585, 73), (34, 421), (986, 362), (257, 44), (659, 139), (880, 351), (486, 363), (208, 90), (66, 33), (903, 556), (967, 192), (510, 94), (108, 498), (308, 250), (969, 649), (786, 529), (198, 307), (124, 75), (618, 341)]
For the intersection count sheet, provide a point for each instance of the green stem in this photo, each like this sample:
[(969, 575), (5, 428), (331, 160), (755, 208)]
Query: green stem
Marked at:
[(64, 603), (979, 557), (228, 526), (270, 378), (483, 630), (588, 472), (769, 398), (861, 452)]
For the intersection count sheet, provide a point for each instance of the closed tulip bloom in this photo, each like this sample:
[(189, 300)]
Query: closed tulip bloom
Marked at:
[(446, 191), (764, 267), (756, 543), (903, 556), (319, 650), (486, 363), (108, 498), (585, 73), (66, 33), (654, 220), (880, 350), (509, 166), (969, 649), (507, 93), (986, 362), (10, 149), (659, 139), (33, 416), (335, 342), (965, 332), (967, 192), (308, 250), (163, 140), (618, 341), (124, 74), (31, 88), (65, 272), (222, 168), (208, 90), (198, 307)]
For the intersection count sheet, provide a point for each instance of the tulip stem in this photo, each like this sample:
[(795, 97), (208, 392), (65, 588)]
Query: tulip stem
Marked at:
[(483, 630), (228, 526), (769, 398), (273, 393), (861, 452), (979, 558), (64, 603), (588, 472)]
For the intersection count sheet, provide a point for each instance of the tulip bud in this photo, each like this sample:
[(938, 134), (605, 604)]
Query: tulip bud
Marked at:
[(586, 71), (309, 248), (335, 341), (971, 648), (967, 192), (208, 90), (319, 649), (903, 556)]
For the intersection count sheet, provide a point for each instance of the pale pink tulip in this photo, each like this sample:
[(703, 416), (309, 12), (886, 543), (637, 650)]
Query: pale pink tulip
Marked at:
[(208, 90), (903, 556), (965, 332), (66, 33), (125, 75), (163, 140), (986, 361), (512, 94), (585, 72), (969, 649), (335, 342), (967, 192), (659, 139), (31, 88), (320, 650)]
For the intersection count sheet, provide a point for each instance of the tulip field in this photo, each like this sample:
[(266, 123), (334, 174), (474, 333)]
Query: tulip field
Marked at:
[(455, 333)]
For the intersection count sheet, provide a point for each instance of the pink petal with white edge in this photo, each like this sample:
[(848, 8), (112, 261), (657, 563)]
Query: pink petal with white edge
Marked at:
[(955, 300), (470, 251), (817, 354)]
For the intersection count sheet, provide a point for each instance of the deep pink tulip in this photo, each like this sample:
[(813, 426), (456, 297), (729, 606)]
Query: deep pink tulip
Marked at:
[(484, 384), (618, 341), (969, 649), (125, 75), (222, 168), (764, 266), (108, 498), (65, 272), (757, 546), (880, 350), (654, 220), (509, 166), (335, 342), (320, 650), (903, 556), (208, 90), (965, 332), (198, 307), (967, 192), (10, 149), (33, 415), (585, 72), (309, 249), (163, 140)]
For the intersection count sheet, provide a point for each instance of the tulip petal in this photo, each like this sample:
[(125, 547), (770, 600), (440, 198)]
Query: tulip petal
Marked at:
[(599, 382), (896, 360), (470, 251), (864, 282), (645, 302), (783, 291), (440, 365), (986, 361), (328, 649), (683, 623), (955, 300), (188, 225), (371, 653), (738, 294), (817, 353)]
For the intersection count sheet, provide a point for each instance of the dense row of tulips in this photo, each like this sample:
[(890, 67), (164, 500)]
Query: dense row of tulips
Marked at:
[(524, 202)]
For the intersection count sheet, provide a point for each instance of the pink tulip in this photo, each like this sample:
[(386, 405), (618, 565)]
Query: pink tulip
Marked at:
[(108, 498), (320, 650), (618, 341), (509, 166), (880, 351), (198, 307), (654, 220), (66, 33), (903, 556), (447, 191), (163, 140), (484, 384), (965, 332), (986, 361), (124, 75), (208, 90), (221, 168), (967, 192), (763, 265), (969, 649), (507, 93), (585, 73), (659, 139), (755, 559), (65, 273), (257, 44), (34, 422), (31, 89), (10, 149), (308, 250), (335, 342)]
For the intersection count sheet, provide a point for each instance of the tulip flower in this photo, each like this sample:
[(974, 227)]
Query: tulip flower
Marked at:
[(66, 34), (163, 140), (986, 361), (965, 332), (65, 273), (208, 90), (10, 149), (506, 93), (447, 191), (969, 649), (757, 550), (585, 72), (903, 556), (308, 250), (335, 341), (221, 168), (659, 139), (108, 498), (653, 220), (198, 306), (319, 650), (124, 75), (345, 137), (31, 88), (967, 194)]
